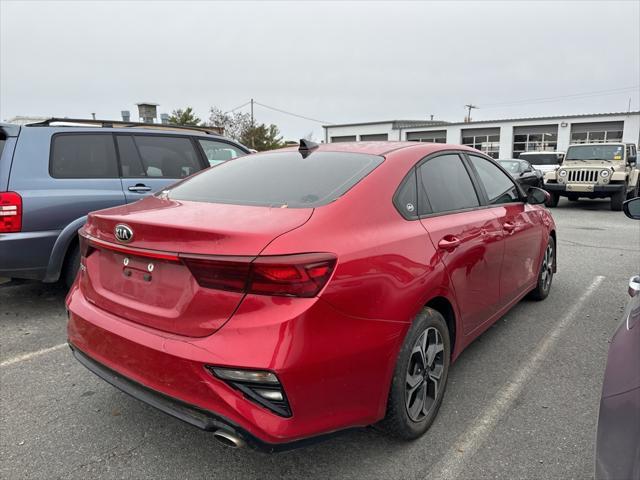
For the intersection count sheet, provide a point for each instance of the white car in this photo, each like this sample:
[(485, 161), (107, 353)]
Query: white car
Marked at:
[(543, 161)]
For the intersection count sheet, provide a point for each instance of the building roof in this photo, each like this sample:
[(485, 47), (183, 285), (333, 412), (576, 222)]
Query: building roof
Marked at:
[(397, 124)]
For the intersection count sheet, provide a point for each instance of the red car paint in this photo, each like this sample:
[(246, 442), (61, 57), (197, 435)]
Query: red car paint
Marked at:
[(333, 353)]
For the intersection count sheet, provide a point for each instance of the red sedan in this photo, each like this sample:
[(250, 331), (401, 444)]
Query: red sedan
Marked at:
[(290, 294)]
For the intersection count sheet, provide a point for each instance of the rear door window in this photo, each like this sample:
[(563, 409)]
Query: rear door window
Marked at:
[(497, 184), (444, 185), (130, 161), (160, 156), (83, 156), (219, 152), (282, 179)]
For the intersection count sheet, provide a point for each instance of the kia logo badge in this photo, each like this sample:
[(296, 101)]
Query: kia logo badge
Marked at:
[(123, 233)]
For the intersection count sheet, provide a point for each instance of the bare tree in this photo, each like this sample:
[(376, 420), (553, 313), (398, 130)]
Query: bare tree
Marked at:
[(234, 123)]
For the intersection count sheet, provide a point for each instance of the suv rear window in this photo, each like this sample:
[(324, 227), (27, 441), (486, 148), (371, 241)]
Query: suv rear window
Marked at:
[(282, 179), (83, 156)]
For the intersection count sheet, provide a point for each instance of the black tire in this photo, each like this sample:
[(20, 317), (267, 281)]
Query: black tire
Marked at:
[(399, 421), (554, 198), (572, 198), (617, 199), (545, 277), (71, 266)]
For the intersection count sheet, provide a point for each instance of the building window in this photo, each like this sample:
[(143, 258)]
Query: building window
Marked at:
[(376, 137), (439, 136), (343, 138), (486, 140), (601, 132)]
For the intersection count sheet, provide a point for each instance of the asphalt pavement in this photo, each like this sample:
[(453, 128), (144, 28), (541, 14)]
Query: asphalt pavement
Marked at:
[(522, 400)]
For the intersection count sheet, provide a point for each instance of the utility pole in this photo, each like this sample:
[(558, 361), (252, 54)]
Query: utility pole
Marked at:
[(93, 115), (252, 125), (469, 107)]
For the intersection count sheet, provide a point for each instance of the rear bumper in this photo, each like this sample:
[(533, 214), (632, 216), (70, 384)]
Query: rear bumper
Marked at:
[(26, 254), (597, 189), (203, 419), (331, 381)]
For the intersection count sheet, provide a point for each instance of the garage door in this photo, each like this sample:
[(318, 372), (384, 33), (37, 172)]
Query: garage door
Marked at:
[(343, 138), (433, 136), (597, 132), (374, 137), (486, 140), (535, 138)]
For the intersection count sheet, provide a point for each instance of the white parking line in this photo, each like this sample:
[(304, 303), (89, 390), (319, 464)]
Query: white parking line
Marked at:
[(29, 356), (467, 444)]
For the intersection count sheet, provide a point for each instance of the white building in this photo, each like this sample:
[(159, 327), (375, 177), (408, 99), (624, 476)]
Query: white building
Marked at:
[(500, 138)]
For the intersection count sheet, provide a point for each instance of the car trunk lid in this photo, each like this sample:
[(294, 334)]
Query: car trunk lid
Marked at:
[(145, 280)]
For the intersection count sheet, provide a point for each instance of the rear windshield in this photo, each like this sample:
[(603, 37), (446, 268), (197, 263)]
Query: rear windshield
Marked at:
[(595, 152), (279, 179), (540, 158)]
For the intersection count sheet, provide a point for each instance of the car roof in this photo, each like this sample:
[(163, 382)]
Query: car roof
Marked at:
[(95, 125), (382, 147)]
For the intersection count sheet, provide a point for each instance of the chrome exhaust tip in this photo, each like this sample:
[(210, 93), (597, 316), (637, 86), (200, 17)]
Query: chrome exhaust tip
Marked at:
[(228, 439)]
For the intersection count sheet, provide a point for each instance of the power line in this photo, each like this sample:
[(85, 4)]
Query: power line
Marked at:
[(595, 93), (238, 108), (290, 113)]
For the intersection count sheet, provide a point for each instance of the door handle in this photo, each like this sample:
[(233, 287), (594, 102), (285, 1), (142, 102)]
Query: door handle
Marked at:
[(139, 188), (449, 243), (509, 226)]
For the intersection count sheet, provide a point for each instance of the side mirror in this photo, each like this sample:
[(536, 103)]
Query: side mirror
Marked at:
[(537, 196), (631, 208)]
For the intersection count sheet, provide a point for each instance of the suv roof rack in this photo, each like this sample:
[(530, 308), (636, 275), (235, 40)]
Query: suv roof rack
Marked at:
[(119, 123)]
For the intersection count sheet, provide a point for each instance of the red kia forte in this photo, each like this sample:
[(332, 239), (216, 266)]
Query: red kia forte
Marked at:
[(286, 295)]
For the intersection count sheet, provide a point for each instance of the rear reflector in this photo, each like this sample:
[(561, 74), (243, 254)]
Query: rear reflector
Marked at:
[(10, 212)]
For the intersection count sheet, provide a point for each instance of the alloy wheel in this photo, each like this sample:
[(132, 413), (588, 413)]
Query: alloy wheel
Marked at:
[(424, 374), (547, 267)]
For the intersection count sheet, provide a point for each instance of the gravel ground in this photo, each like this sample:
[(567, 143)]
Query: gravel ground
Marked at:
[(522, 401)]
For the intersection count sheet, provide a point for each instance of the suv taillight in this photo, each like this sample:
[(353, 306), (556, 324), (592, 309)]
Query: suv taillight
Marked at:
[(302, 275), (10, 212)]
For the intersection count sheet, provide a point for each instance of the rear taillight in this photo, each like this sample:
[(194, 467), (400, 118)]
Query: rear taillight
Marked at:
[(10, 212), (301, 275)]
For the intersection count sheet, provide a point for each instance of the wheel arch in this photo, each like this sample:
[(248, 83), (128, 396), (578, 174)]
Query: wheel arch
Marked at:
[(444, 307), (61, 249)]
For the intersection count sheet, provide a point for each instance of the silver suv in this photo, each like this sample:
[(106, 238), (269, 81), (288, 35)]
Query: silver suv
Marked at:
[(55, 172), (596, 170)]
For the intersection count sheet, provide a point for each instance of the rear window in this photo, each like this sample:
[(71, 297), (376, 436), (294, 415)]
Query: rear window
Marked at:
[(282, 179), (540, 158), (83, 156)]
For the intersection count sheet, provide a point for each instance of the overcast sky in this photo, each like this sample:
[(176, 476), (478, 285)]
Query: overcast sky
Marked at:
[(338, 62)]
